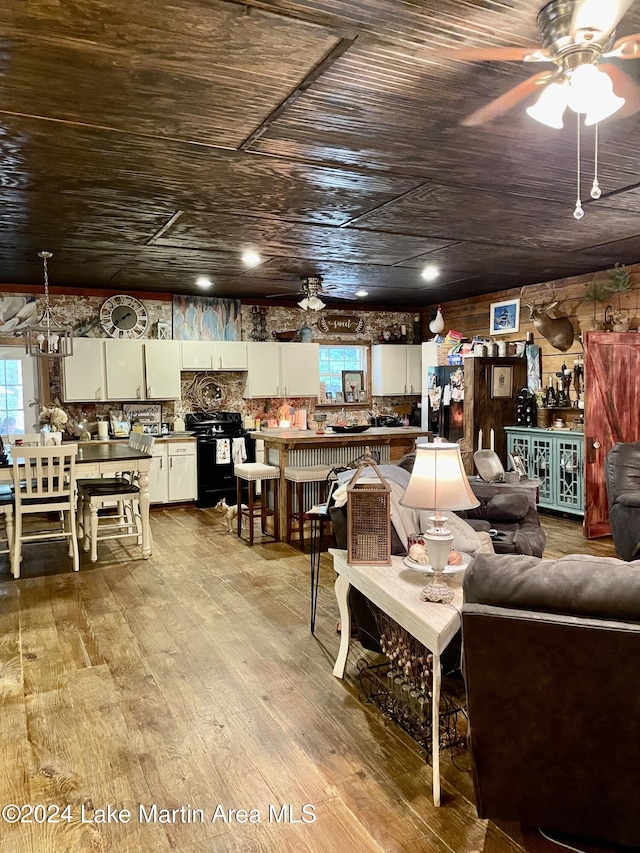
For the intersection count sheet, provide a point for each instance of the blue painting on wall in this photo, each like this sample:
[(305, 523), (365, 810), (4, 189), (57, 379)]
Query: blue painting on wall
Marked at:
[(204, 318)]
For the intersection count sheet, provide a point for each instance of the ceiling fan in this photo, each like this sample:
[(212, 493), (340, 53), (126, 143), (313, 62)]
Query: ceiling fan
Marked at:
[(576, 36), (311, 291)]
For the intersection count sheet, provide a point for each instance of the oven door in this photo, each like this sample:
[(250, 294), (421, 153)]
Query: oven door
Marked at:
[(216, 480)]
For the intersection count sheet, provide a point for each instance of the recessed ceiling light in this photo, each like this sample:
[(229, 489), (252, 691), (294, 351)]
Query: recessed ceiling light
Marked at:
[(362, 292), (430, 272), (250, 258), (203, 281)]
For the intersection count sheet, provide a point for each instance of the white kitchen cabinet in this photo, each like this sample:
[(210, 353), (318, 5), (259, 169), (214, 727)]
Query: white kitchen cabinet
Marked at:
[(396, 369), (197, 355), (162, 366), (214, 355), (414, 369), (158, 479), (300, 370), (263, 363), (173, 472), (229, 355), (182, 473), (84, 375), (124, 363), (283, 370)]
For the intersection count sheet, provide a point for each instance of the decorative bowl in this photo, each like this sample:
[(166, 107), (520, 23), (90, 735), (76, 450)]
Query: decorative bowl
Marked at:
[(354, 428)]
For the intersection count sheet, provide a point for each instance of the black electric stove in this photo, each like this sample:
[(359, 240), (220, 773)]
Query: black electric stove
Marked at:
[(215, 433)]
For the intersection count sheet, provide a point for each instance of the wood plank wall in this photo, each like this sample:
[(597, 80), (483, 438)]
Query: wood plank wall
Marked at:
[(471, 315)]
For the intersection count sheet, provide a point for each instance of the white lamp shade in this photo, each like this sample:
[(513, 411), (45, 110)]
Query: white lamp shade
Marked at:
[(591, 92), (550, 106), (438, 479), (304, 304)]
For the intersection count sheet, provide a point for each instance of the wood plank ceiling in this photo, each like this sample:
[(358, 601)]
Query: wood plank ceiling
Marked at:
[(146, 145)]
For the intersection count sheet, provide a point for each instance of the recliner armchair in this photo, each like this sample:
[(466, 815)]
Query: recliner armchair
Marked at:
[(550, 655), (622, 480)]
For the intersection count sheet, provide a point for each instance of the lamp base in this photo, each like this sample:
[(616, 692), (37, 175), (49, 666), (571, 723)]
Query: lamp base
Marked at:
[(438, 590)]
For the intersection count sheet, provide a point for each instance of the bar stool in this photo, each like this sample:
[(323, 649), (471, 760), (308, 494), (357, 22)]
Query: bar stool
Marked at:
[(296, 477), (251, 472)]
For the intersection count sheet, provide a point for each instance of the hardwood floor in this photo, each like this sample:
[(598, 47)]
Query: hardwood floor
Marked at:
[(191, 680)]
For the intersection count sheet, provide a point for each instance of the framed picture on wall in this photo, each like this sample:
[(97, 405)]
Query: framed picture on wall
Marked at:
[(352, 385), (501, 380), (504, 317)]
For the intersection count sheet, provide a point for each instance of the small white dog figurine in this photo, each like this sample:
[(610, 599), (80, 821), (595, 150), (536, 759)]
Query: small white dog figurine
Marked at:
[(230, 514)]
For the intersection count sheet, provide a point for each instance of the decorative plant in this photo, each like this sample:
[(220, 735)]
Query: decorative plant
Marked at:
[(619, 281), (596, 292), (53, 416)]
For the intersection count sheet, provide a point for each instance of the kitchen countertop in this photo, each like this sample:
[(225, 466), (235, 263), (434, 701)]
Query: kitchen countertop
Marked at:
[(374, 434), (125, 439)]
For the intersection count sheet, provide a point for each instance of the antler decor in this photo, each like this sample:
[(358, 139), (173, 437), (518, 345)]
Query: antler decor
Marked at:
[(558, 331)]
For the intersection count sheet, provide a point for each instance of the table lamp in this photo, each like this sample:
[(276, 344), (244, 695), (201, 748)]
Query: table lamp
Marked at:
[(438, 482)]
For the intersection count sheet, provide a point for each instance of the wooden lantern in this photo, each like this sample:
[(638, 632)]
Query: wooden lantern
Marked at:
[(369, 518)]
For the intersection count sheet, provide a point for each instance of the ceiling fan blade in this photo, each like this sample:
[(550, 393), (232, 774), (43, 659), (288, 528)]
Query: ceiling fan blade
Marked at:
[(510, 99), (333, 297), (500, 54), (597, 17), (624, 87), (627, 47)]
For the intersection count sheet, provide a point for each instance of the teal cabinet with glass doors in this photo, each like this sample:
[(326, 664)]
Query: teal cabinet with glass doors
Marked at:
[(556, 457)]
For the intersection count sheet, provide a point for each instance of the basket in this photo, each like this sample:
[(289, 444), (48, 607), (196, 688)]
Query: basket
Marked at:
[(443, 352), (369, 518)]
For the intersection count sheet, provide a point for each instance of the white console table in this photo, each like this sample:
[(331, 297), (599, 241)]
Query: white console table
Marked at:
[(395, 589)]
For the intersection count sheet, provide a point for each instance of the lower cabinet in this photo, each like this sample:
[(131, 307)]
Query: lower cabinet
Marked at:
[(556, 457), (173, 474)]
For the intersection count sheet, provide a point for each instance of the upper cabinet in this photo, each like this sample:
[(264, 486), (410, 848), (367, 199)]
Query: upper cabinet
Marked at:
[(396, 369), (124, 361), (213, 355), (283, 370), (105, 370), (162, 366), (84, 373)]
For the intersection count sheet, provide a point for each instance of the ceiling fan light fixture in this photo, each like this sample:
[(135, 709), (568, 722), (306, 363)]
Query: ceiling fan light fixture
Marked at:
[(551, 105), (315, 303), (591, 92), (362, 292), (304, 304), (603, 108)]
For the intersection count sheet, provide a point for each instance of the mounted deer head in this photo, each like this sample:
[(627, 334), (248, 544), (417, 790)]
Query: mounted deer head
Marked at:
[(557, 330)]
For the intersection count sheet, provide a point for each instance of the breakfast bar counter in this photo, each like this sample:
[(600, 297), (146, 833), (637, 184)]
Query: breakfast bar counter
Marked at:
[(304, 447)]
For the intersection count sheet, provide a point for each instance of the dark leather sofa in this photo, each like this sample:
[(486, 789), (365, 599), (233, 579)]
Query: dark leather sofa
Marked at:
[(513, 522), (551, 652), (622, 479)]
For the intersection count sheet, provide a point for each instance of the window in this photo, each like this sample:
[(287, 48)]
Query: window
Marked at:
[(18, 383), (335, 359)]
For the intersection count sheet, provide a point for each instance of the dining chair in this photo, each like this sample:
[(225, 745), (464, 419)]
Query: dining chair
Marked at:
[(99, 494), (6, 511), (44, 480)]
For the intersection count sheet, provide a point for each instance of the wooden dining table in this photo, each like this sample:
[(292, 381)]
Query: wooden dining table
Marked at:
[(109, 459)]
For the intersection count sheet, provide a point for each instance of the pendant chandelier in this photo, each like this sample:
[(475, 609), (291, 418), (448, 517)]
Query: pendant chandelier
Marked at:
[(46, 337)]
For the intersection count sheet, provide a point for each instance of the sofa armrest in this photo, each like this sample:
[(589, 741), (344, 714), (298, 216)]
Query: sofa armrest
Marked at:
[(628, 499)]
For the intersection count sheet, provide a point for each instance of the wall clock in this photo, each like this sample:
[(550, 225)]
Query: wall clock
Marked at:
[(123, 317)]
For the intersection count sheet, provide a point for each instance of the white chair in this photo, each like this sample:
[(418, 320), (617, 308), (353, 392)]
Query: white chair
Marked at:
[(44, 480), (6, 510), (97, 494)]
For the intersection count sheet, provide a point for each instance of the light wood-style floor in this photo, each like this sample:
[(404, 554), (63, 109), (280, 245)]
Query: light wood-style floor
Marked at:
[(191, 680)]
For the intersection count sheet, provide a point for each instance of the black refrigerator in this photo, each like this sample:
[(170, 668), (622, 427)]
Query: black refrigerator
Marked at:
[(443, 400)]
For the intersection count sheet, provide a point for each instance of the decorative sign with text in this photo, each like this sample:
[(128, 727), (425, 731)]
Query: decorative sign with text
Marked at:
[(341, 324)]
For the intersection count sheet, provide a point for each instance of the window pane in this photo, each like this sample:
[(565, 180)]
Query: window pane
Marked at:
[(13, 372)]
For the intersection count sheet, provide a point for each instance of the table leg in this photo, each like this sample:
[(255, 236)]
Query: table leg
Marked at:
[(435, 729), (316, 556), (342, 595), (144, 501)]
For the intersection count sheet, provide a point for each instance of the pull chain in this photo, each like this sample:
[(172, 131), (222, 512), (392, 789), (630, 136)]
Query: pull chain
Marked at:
[(596, 192), (578, 213)]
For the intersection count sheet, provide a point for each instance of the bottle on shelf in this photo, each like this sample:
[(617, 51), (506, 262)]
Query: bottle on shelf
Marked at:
[(551, 394)]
